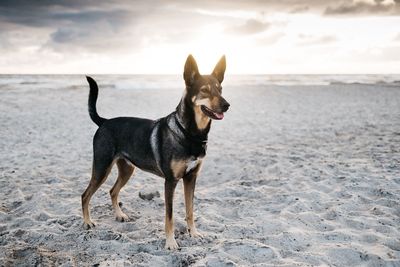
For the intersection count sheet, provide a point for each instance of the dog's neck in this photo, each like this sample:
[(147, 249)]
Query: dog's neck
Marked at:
[(192, 119)]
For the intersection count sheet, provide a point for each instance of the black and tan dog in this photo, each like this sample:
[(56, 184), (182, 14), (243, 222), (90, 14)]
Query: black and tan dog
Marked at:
[(172, 147)]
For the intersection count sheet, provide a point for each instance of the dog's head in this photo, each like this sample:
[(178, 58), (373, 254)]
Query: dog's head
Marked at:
[(204, 92)]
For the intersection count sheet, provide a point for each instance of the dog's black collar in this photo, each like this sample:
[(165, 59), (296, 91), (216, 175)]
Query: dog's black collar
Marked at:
[(181, 132), (192, 138), (197, 146)]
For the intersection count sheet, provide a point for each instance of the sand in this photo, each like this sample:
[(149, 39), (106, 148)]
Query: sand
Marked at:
[(294, 176)]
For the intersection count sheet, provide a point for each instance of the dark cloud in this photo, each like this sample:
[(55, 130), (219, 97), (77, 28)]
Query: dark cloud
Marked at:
[(364, 8), (123, 30), (44, 13), (73, 25), (91, 29)]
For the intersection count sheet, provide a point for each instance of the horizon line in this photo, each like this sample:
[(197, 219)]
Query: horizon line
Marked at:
[(171, 74)]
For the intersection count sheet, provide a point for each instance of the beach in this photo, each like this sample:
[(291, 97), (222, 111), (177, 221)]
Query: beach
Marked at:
[(298, 173)]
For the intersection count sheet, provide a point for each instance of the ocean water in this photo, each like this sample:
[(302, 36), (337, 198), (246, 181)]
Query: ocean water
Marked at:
[(138, 82)]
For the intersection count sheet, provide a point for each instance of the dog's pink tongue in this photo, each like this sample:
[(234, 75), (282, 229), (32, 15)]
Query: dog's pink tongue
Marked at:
[(219, 116)]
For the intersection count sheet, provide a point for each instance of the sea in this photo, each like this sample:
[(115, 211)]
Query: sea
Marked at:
[(139, 82)]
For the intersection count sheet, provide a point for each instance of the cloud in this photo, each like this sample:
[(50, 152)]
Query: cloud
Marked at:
[(92, 30), (377, 7), (316, 40), (258, 6), (95, 26), (43, 13), (85, 34), (69, 24), (251, 26), (300, 9), (99, 25)]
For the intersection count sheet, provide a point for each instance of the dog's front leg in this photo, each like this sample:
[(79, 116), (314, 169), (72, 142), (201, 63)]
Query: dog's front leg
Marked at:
[(170, 242), (189, 183)]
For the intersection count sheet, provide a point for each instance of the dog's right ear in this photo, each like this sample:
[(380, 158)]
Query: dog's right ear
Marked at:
[(191, 71)]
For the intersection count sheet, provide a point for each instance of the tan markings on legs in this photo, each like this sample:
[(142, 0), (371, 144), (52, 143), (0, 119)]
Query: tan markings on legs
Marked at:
[(170, 242), (189, 183), (125, 171), (95, 182)]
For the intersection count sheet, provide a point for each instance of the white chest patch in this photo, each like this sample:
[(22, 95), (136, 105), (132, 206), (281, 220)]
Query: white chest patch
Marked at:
[(181, 167), (191, 164)]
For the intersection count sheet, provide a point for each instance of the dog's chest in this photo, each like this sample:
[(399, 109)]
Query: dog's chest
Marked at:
[(182, 167), (191, 164)]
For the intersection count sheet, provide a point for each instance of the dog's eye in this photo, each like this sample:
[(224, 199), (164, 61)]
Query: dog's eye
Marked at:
[(204, 90)]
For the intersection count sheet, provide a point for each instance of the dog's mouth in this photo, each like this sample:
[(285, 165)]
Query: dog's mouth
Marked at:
[(211, 113)]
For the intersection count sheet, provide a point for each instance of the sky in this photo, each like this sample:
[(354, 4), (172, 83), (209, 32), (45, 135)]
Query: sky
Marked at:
[(155, 37)]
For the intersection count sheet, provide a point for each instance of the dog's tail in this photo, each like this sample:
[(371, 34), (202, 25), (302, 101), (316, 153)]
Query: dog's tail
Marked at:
[(93, 93)]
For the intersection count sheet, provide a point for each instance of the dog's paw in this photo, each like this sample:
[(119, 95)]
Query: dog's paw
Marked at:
[(171, 244), (195, 234), (122, 217), (89, 225)]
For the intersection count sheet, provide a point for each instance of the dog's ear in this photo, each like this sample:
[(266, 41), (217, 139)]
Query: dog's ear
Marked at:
[(191, 71), (219, 69)]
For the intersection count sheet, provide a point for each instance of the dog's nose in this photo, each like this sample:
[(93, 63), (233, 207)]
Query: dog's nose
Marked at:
[(225, 106)]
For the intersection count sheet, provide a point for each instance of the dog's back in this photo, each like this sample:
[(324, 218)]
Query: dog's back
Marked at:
[(128, 138)]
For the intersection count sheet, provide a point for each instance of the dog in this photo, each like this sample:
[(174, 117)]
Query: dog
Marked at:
[(172, 147)]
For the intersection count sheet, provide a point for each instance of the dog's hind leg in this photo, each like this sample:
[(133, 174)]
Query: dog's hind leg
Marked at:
[(125, 171), (102, 163)]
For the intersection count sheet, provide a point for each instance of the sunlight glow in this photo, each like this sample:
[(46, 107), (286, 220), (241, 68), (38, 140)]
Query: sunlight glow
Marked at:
[(285, 43)]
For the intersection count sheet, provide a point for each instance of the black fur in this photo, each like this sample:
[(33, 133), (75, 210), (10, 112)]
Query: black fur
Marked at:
[(94, 90)]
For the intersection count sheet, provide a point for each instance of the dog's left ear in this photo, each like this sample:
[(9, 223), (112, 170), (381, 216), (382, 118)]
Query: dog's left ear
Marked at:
[(219, 69)]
